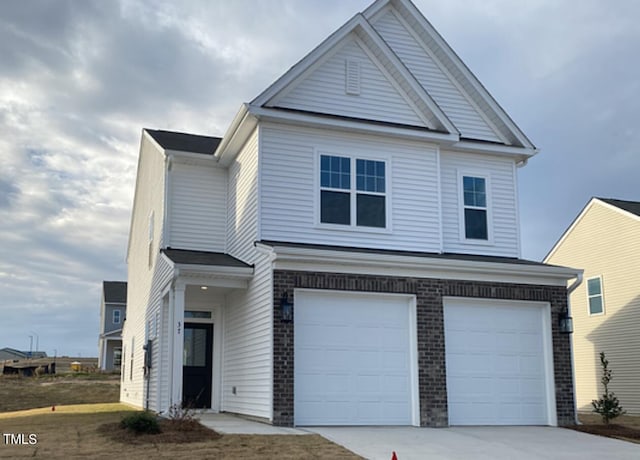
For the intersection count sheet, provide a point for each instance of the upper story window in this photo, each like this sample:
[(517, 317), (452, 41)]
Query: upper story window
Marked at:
[(595, 296), (353, 192), (116, 317), (475, 209)]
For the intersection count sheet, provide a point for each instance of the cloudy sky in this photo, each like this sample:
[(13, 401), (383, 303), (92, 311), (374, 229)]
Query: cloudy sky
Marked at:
[(80, 79)]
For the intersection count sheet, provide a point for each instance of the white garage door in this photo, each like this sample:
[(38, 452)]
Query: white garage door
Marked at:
[(499, 370), (353, 359)]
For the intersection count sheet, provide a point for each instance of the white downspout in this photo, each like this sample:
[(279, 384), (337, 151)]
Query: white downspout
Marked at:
[(570, 289)]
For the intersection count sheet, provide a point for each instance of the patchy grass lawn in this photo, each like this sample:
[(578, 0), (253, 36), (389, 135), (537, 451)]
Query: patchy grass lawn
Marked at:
[(18, 393), (90, 432), (625, 427)]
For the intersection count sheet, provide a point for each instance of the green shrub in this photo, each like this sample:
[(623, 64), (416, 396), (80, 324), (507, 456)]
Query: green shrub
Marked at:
[(608, 405), (141, 422)]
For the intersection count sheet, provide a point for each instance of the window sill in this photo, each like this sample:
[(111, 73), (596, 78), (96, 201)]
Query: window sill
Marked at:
[(354, 229), (471, 242)]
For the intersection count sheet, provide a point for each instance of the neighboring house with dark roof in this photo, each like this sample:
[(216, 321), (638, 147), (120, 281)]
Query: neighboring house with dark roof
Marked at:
[(113, 311), (604, 240), (348, 253)]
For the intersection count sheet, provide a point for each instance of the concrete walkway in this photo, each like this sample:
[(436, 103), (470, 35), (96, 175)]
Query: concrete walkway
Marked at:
[(233, 424), (458, 443), (478, 443)]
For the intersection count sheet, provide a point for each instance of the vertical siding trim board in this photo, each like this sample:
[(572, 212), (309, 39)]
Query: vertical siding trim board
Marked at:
[(430, 326), (516, 202)]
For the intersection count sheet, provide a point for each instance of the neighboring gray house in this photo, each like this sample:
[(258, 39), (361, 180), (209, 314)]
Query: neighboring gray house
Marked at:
[(348, 253), (113, 309)]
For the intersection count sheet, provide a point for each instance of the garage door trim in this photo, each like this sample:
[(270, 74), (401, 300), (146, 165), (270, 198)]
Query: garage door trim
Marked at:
[(547, 341), (413, 336)]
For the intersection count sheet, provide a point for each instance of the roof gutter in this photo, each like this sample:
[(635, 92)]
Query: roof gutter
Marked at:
[(570, 289), (242, 125)]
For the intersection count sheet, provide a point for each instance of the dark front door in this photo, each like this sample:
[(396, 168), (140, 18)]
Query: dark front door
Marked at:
[(197, 367)]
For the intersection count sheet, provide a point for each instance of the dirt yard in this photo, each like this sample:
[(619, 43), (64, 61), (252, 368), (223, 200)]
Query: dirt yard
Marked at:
[(625, 427), (63, 435), (17, 393)]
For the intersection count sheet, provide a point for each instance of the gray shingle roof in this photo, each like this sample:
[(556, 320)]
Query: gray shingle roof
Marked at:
[(184, 142), (187, 257), (433, 255), (115, 291), (630, 206)]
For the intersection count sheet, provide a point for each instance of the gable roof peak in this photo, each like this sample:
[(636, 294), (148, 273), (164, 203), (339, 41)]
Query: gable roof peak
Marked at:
[(435, 119), (501, 121)]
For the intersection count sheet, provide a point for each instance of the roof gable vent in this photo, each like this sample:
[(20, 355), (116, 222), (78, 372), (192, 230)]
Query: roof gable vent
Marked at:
[(352, 77)]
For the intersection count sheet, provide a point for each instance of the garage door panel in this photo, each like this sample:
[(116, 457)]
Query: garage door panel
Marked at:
[(496, 372), (365, 380)]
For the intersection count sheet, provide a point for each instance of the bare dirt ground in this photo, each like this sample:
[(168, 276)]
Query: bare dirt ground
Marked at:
[(17, 393), (95, 433), (625, 427)]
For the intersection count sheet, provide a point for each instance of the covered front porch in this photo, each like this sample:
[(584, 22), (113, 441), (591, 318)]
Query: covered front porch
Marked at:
[(188, 349)]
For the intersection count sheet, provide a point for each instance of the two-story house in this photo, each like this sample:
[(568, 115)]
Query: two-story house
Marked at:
[(348, 253), (604, 241), (113, 309)]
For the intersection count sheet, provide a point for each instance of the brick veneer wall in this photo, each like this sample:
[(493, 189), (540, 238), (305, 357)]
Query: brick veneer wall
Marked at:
[(431, 353)]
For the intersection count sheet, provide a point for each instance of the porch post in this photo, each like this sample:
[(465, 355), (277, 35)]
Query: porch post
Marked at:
[(103, 354), (178, 343)]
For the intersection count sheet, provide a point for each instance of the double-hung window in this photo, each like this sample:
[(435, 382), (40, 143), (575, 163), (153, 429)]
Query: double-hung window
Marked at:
[(595, 296), (475, 210), (353, 192), (116, 316)]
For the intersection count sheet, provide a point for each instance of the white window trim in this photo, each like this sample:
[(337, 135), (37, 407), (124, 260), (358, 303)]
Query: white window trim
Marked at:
[(353, 156), (113, 316), (599, 277), (486, 175)]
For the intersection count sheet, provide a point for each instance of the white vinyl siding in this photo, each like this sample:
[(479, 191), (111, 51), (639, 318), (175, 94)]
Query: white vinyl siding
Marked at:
[(604, 242), (289, 189), (242, 201), (323, 91), (422, 64), (502, 218), (149, 199), (160, 370), (247, 357), (197, 207)]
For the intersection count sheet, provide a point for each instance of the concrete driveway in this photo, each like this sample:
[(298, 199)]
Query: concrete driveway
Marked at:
[(477, 443)]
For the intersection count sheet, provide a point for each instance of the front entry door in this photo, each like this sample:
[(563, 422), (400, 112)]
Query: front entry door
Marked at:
[(197, 365)]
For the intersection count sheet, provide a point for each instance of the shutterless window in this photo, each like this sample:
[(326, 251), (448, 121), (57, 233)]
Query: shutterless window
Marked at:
[(594, 294), (117, 356), (116, 316), (335, 190), (474, 191), (352, 191)]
